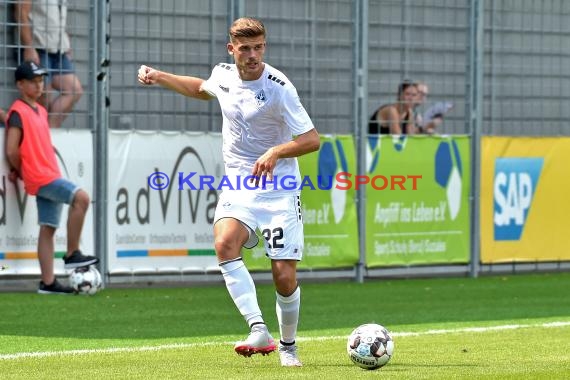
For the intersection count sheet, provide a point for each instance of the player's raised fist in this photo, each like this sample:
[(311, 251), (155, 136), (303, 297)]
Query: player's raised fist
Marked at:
[(146, 75)]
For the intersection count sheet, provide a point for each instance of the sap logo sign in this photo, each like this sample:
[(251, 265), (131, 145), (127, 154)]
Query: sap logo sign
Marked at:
[(514, 186)]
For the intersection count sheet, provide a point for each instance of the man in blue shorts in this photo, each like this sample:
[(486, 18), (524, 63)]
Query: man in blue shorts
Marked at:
[(31, 157)]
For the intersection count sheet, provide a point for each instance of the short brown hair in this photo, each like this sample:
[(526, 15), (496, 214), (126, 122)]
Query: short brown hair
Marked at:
[(246, 27)]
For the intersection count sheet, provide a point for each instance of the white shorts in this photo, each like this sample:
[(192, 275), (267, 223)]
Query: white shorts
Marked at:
[(278, 218)]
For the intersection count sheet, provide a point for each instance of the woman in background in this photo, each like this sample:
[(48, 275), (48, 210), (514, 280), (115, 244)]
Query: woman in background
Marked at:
[(396, 118)]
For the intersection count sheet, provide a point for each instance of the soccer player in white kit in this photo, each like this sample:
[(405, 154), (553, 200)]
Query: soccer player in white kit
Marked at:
[(261, 114)]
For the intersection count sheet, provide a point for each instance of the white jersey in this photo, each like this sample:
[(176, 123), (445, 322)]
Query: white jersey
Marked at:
[(258, 115)]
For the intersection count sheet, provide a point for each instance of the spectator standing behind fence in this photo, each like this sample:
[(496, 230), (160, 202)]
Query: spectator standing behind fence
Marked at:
[(42, 27), (261, 113), (396, 118), (31, 157)]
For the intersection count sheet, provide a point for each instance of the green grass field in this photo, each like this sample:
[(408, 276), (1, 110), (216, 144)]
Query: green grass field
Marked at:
[(504, 327)]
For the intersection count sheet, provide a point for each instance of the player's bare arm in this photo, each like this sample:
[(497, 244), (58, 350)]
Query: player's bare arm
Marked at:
[(306, 143), (185, 85), (392, 117), (22, 11)]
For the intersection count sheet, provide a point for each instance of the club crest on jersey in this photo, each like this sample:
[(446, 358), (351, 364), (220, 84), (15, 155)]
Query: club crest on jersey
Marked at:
[(260, 98)]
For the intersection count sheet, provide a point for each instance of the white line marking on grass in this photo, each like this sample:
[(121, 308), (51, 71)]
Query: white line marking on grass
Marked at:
[(174, 346), (45, 354), (484, 329)]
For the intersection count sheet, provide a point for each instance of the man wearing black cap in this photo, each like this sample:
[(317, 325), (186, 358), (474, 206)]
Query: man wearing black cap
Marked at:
[(31, 157)]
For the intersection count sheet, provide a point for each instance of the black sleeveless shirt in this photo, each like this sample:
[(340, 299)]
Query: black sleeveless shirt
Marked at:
[(375, 128)]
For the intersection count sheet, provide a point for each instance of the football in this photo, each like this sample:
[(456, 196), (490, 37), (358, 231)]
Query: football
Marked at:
[(86, 280), (370, 346)]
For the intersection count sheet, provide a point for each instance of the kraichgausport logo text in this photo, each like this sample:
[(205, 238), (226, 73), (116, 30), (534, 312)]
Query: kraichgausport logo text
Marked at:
[(340, 181)]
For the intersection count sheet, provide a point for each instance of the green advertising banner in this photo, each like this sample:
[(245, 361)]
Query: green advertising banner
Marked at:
[(329, 212), (417, 199)]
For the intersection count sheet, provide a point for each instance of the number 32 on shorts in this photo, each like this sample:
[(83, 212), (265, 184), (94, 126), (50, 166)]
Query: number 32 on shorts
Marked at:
[(273, 237)]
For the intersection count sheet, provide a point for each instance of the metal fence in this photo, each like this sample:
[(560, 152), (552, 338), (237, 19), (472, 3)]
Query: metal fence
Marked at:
[(504, 64), (525, 69), (80, 28)]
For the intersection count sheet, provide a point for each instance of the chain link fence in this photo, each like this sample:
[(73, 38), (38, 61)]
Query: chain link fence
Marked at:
[(79, 28), (526, 70)]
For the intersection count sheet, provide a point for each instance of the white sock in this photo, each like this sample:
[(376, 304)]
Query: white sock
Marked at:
[(242, 290), (287, 309)]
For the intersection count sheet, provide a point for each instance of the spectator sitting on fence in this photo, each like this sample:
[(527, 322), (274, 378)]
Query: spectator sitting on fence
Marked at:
[(396, 118), (44, 40)]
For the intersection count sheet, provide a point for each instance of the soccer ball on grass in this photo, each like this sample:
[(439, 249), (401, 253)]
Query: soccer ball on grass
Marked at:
[(86, 280), (370, 346)]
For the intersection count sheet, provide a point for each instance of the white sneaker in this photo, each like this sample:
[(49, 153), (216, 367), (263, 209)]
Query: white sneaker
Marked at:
[(288, 356), (259, 341)]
